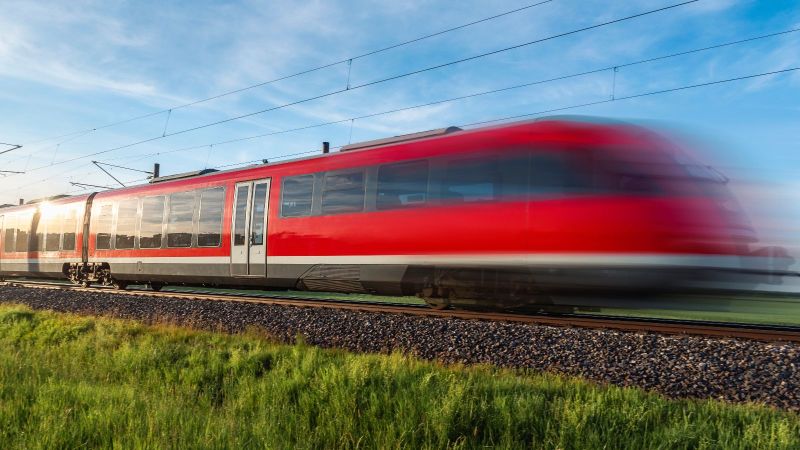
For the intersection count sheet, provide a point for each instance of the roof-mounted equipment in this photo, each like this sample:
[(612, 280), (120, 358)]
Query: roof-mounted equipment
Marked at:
[(179, 176), (401, 138)]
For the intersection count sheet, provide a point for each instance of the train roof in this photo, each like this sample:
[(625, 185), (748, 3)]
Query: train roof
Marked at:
[(36, 203), (554, 125)]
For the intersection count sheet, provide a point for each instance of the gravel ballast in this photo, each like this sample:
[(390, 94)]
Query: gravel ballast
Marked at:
[(677, 366)]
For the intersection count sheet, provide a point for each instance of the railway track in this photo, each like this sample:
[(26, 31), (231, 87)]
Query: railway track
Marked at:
[(651, 325)]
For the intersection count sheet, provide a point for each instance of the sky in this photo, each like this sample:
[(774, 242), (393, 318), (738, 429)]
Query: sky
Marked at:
[(67, 66)]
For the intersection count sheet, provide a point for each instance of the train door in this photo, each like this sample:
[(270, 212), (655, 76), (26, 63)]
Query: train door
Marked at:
[(249, 229)]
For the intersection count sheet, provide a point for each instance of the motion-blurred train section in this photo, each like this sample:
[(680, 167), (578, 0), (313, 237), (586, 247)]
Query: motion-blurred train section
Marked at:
[(491, 218)]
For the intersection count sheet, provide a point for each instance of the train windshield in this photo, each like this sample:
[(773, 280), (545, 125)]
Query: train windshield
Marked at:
[(656, 172)]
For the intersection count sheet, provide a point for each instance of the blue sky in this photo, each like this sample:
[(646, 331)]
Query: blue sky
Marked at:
[(67, 66)]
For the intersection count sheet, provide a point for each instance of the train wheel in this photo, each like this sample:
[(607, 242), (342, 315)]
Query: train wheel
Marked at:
[(156, 286), (86, 284), (119, 285)]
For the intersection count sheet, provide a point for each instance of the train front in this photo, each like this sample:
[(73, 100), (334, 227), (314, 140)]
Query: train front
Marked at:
[(655, 220)]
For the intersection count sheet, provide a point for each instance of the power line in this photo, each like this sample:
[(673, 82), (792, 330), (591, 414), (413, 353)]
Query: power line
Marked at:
[(548, 111), (372, 83), (563, 77), (348, 60), (599, 102), (476, 94), (643, 94)]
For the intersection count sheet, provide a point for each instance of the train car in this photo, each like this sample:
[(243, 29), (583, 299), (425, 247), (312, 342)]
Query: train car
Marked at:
[(42, 238), (492, 217)]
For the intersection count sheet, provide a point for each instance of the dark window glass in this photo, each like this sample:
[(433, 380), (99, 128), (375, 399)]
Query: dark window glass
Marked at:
[(297, 194), (241, 215), (402, 185), (151, 223), (514, 175), (179, 224), (637, 175), (553, 173), (471, 180), (69, 226), (23, 231), (344, 192), (53, 222), (103, 228), (126, 224), (10, 230), (212, 204), (259, 210)]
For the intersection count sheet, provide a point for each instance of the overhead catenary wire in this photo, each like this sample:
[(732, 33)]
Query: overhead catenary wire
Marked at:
[(348, 60), (594, 103), (350, 119), (375, 82), (474, 94)]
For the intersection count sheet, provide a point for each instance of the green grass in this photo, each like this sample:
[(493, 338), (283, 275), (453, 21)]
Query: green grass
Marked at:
[(303, 294), (771, 310), (70, 382)]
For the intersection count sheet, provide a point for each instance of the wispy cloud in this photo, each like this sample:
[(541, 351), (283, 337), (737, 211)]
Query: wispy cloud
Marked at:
[(66, 65)]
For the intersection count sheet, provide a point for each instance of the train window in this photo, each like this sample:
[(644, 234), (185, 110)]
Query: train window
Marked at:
[(240, 224), (297, 194), (514, 175), (258, 212), (23, 231), (471, 180), (69, 225), (179, 222), (53, 221), (37, 231), (10, 225), (126, 224), (151, 224), (632, 176), (344, 192), (553, 173), (103, 228), (402, 185), (212, 204)]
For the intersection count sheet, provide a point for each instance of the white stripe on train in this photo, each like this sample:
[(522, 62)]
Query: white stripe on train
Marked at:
[(483, 260)]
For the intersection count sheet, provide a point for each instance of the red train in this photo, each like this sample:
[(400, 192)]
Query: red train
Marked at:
[(491, 217)]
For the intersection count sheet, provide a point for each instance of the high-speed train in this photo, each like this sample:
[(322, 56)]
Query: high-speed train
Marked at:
[(491, 217)]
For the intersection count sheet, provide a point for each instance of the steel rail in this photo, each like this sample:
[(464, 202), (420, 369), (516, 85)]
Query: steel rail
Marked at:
[(769, 333)]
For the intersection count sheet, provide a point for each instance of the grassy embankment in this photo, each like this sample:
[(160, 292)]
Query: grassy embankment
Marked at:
[(68, 382)]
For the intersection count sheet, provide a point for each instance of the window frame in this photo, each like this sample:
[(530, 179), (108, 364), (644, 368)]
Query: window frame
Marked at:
[(193, 221), (20, 219), (117, 208), (481, 158), (325, 190), (111, 226), (59, 215), (139, 227), (428, 172), (199, 214), (5, 218), (13, 240), (311, 199), (75, 213)]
